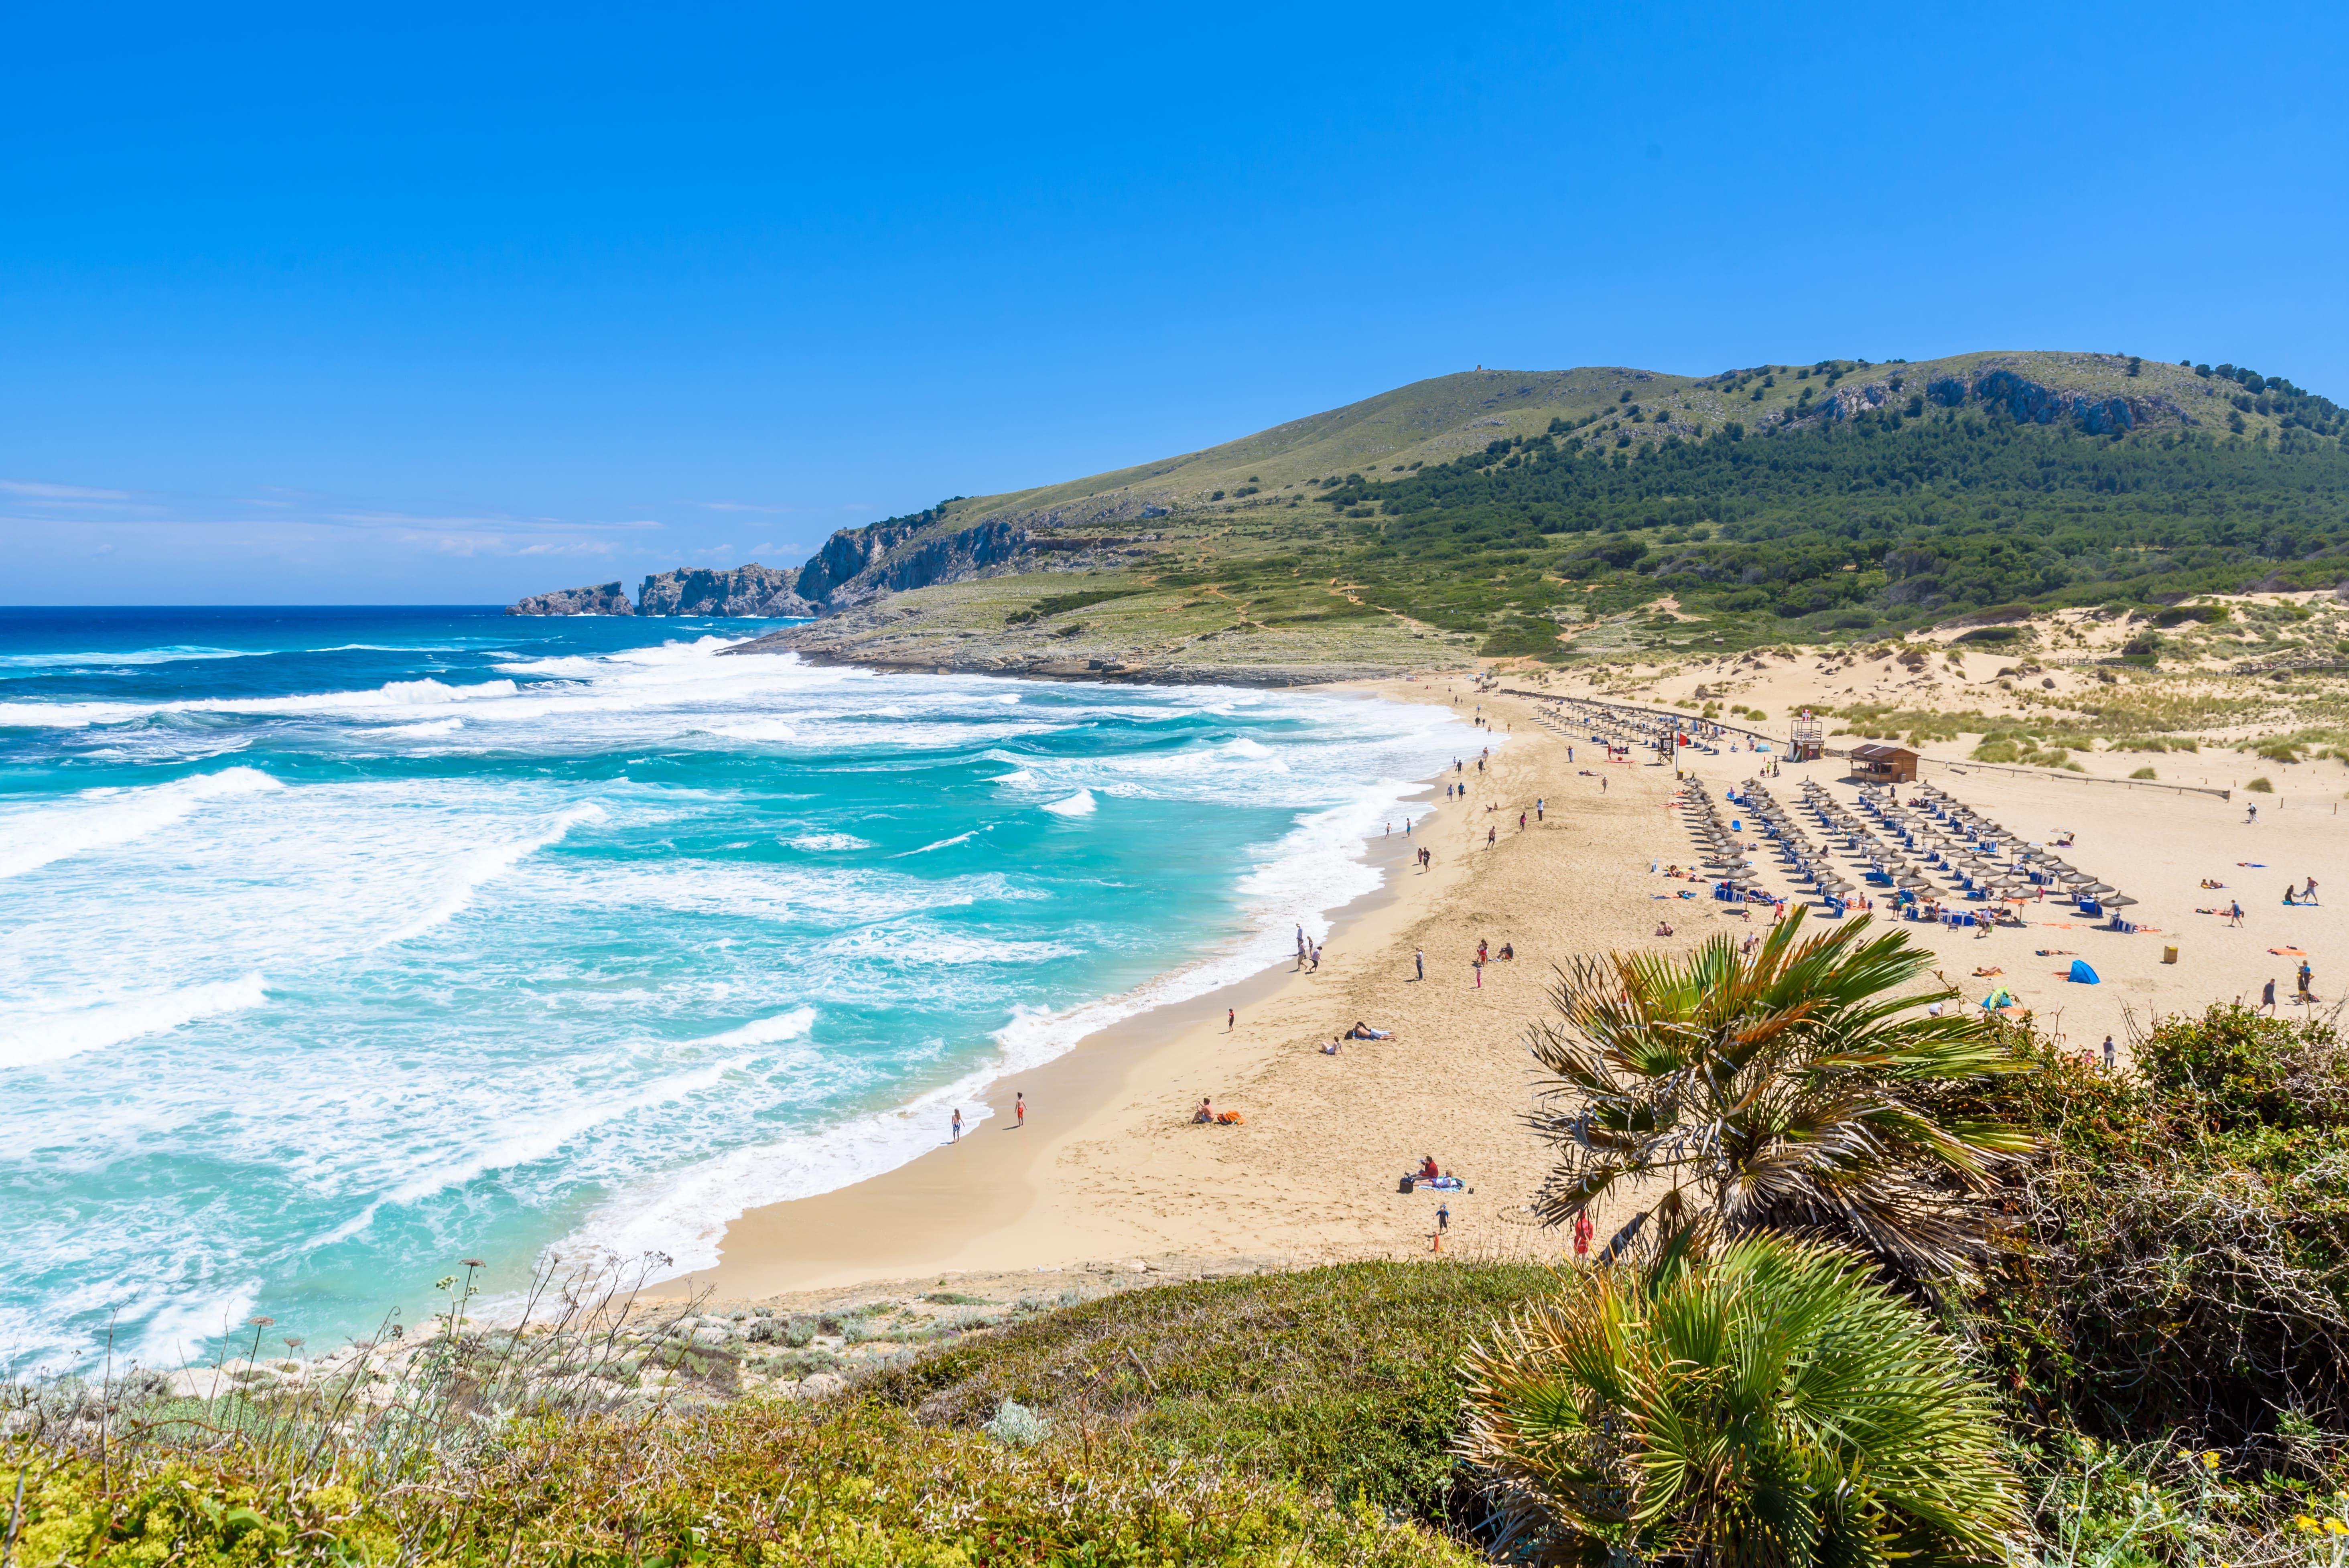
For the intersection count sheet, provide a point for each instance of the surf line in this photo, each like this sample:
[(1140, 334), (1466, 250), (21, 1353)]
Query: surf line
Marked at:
[(943, 844)]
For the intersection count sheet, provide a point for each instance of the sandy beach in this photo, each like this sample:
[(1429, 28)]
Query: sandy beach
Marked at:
[(1109, 1166)]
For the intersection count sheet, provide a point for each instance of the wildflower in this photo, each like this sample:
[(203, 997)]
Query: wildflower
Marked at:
[(2301, 1521), (2210, 1460), (2336, 1527)]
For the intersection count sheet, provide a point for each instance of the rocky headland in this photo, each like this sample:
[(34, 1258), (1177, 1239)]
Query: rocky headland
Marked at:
[(603, 599)]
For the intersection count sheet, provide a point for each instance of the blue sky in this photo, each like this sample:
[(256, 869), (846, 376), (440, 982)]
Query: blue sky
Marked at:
[(305, 303)]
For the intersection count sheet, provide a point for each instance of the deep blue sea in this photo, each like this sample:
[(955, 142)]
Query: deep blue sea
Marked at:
[(338, 944)]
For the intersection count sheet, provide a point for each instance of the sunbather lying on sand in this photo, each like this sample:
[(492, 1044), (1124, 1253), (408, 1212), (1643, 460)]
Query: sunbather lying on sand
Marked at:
[(1333, 1047), (1663, 928), (1361, 1031)]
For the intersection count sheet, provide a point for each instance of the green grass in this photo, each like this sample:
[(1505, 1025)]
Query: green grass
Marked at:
[(1346, 1381), (1299, 1419)]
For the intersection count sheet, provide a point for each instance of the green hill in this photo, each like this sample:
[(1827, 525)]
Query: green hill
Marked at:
[(1592, 510)]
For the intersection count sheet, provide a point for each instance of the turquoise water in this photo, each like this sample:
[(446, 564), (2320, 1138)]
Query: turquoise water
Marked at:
[(339, 944)]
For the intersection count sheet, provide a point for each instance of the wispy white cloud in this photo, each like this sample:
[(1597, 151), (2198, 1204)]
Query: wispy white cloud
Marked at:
[(36, 491), (737, 506)]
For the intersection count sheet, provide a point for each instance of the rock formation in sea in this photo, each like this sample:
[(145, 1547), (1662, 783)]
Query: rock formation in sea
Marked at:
[(603, 599), (752, 590)]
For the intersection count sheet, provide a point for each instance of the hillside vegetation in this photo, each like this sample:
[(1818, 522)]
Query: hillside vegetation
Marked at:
[(1609, 510)]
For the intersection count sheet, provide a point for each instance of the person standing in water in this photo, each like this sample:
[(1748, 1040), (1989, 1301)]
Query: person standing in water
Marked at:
[(957, 1137)]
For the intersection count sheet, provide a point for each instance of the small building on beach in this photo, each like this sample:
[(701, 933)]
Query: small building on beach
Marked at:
[(1875, 764)]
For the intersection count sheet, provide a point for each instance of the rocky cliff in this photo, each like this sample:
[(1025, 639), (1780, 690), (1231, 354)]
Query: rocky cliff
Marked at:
[(2025, 400), (856, 566), (752, 590), (603, 599)]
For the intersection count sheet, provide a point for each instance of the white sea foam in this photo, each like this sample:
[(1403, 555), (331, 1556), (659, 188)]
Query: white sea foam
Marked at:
[(41, 661), (1300, 880), (684, 1213), (771, 1031), (941, 844), (1080, 804), (470, 871), (536, 1140), (820, 842), (758, 729), (32, 1038), (548, 1025), (35, 836)]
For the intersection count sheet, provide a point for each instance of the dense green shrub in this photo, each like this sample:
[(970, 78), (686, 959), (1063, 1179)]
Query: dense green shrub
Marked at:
[(855, 1485), (2176, 1258), (1765, 1403)]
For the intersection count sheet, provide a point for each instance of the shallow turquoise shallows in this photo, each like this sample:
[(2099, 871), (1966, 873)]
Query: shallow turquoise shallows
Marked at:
[(339, 944)]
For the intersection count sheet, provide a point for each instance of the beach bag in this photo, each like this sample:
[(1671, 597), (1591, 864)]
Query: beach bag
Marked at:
[(1408, 1182)]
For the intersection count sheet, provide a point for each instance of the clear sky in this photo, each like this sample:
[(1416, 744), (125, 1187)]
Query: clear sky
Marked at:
[(422, 304)]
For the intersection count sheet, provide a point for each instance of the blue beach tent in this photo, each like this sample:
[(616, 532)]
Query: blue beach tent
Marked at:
[(2082, 974)]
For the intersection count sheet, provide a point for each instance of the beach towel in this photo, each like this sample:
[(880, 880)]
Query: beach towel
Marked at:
[(2081, 973), (2289, 951), (1229, 1119), (1440, 1184)]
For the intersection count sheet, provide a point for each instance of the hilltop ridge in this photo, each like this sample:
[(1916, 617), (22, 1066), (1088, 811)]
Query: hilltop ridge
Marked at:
[(1452, 518)]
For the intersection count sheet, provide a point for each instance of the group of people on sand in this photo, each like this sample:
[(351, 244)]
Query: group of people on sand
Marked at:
[(1361, 1031)]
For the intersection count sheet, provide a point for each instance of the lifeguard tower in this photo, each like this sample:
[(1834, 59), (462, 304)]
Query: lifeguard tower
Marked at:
[(1810, 739)]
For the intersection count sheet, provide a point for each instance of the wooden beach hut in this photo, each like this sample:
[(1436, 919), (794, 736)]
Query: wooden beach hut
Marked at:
[(1875, 764)]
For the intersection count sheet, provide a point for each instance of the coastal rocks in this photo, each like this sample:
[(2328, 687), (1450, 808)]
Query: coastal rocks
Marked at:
[(753, 590), (603, 599)]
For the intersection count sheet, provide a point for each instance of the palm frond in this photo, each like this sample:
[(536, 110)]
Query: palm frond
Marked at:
[(1788, 1088)]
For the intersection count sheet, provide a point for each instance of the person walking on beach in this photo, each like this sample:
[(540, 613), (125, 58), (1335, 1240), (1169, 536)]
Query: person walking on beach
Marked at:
[(2234, 913), (2308, 893), (1602, 783), (1419, 963), (1443, 1215), (2109, 1053), (1020, 1110), (1231, 1019), (2307, 977), (2267, 996), (1492, 836), (1540, 802), (957, 1137), (2254, 814)]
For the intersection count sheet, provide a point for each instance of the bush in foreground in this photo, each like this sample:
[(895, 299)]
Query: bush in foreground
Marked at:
[(1768, 1404)]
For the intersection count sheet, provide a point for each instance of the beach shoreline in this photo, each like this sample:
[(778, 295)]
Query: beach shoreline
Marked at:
[(1107, 1165)]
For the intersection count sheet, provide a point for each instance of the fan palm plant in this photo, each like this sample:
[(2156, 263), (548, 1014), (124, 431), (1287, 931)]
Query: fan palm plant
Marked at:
[(1765, 1404), (1790, 1090)]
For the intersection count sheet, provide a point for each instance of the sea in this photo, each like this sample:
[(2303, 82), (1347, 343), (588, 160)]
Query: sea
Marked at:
[(339, 945)]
